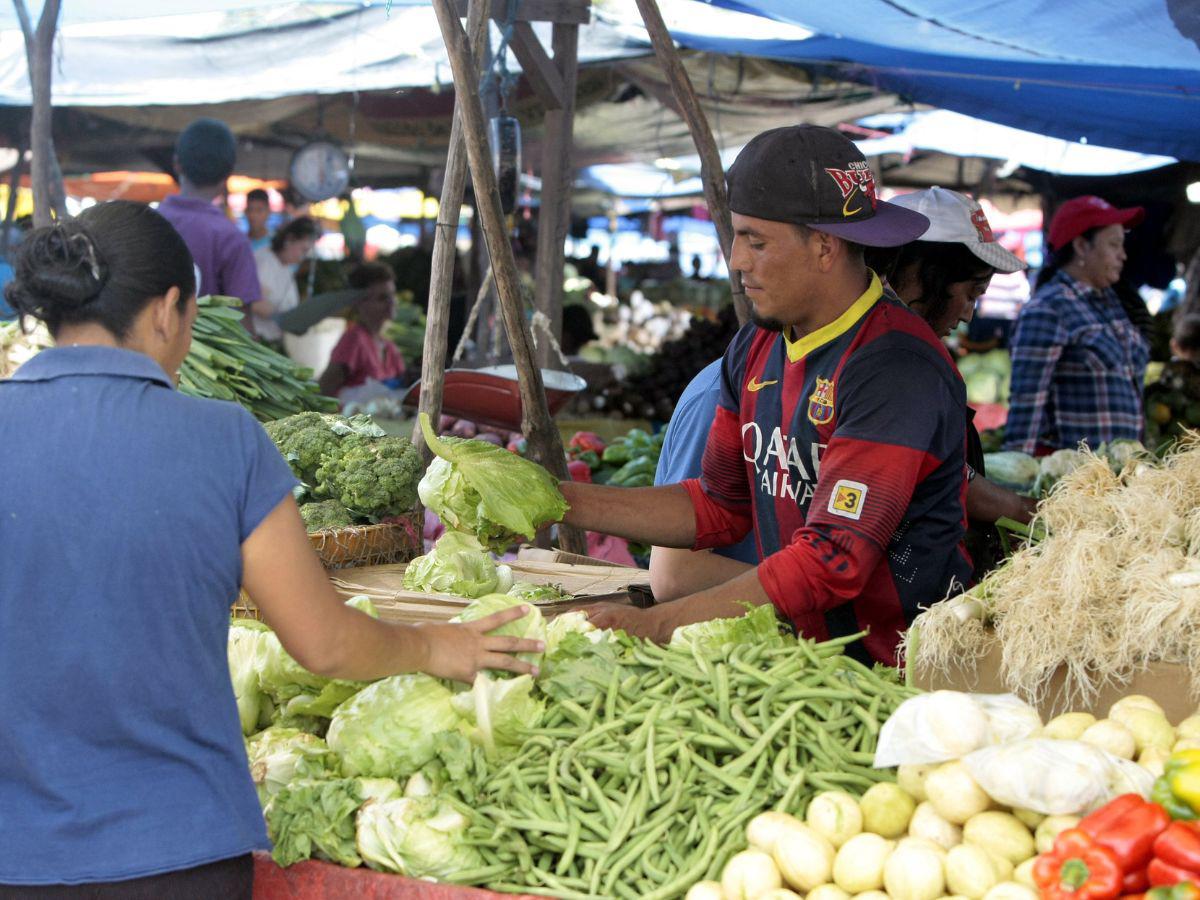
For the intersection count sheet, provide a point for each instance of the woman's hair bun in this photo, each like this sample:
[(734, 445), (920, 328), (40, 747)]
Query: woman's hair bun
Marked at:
[(59, 271)]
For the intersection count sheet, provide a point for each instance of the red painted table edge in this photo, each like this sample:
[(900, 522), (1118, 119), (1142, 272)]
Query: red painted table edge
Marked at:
[(314, 880)]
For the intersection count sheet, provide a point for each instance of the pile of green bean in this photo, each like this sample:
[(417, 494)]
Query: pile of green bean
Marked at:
[(645, 791), (225, 363)]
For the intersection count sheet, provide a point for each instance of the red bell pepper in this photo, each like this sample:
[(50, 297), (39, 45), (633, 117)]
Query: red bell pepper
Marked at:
[(1078, 868), (1135, 882), (583, 441), (579, 471), (1176, 855), (1128, 826)]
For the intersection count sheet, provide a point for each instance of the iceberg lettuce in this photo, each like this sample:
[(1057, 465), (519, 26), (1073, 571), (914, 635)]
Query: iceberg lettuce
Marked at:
[(390, 728), (481, 488), (458, 564), (421, 837)]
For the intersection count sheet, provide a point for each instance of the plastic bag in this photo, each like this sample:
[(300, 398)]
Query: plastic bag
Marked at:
[(1055, 778), (947, 725)]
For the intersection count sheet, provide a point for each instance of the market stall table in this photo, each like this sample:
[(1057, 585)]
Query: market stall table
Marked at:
[(315, 880)]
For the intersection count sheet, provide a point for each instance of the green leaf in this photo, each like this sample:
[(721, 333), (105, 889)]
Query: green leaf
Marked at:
[(481, 488)]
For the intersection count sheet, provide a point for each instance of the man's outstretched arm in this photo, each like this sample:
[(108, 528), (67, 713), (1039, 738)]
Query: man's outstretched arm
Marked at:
[(663, 516)]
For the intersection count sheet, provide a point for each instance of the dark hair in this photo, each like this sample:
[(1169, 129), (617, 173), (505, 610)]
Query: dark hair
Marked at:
[(1186, 332), (1062, 257), (206, 152), (938, 265), (367, 274), (301, 229), (104, 267), (260, 195)]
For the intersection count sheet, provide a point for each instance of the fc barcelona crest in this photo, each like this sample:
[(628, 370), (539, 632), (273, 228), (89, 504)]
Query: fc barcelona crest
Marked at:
[(820, 402)]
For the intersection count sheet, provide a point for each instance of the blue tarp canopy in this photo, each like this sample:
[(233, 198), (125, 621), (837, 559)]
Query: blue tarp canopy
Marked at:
[(1120, 73)]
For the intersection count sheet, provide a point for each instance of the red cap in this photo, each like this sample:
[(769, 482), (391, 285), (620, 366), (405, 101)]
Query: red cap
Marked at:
[(1080, 214)]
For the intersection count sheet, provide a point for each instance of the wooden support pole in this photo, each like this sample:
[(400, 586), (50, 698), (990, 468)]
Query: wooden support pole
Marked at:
[(554, 213), (445, 249), (49, 197), (712, 173), (545, 443)]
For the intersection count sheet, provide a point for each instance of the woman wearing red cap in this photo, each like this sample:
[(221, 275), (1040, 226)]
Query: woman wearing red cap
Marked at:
[(1078, 360)]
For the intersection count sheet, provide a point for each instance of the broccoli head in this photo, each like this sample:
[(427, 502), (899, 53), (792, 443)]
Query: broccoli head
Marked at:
[(326, 514), (305, 440), (374, 477)]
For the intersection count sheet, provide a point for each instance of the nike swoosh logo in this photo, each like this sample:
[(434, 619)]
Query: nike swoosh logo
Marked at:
[(846, 211), (756, 386)]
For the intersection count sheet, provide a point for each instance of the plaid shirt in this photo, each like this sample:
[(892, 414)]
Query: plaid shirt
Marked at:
[(1078, 369)]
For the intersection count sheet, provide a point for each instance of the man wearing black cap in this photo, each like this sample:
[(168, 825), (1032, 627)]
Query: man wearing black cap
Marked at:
[(839, 436)]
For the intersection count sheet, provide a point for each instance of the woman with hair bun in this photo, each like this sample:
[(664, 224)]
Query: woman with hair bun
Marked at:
[(131, 516)]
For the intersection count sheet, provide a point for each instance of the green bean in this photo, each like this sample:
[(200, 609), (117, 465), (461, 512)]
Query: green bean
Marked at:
[(651, 762), (574, 828), (794, 788), (599, 796), (610, 695), (688, 876), (743, 722)]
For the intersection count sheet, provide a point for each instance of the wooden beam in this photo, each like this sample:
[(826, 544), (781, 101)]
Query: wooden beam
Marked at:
[(571, 12), (712, 173), (545, 443), (538, 68), (49, 197), (445, 251), (554, 213)]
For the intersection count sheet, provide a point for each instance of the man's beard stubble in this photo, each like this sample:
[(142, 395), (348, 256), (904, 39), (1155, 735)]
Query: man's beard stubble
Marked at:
[(764, 322)]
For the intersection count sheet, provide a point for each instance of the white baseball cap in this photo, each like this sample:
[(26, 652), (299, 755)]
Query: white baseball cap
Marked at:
[(955, 218)]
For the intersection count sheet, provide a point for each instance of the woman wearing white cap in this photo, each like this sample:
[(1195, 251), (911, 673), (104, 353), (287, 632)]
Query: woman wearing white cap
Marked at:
[(941, 275)]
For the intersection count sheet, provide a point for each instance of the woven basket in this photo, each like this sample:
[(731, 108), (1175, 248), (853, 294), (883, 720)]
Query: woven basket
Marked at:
[(398, 541)]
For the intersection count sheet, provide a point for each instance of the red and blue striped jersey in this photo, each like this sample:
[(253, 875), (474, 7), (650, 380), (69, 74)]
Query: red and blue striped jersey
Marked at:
[(845, 451)]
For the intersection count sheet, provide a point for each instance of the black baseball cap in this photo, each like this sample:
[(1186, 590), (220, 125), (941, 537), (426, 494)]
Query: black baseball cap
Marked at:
[(815, 176)]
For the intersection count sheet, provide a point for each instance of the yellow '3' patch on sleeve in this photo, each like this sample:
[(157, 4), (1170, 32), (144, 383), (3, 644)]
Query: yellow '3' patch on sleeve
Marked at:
[(847, 499)]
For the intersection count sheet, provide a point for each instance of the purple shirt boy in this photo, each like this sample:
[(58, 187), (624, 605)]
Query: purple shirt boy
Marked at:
[(221, 252)]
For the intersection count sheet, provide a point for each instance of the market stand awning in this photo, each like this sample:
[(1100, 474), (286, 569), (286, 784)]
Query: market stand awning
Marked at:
[(1120, 73)]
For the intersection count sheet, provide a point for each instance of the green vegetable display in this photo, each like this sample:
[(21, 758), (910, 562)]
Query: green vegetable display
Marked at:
[(226, 363), (625, 769), (480, 488), (458, 564), (353, 472)]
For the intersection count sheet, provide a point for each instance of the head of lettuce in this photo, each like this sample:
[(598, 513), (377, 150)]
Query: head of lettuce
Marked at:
[(483, 489)]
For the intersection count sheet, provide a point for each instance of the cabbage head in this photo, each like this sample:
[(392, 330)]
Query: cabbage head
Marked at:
[(242, 648), (715, 637), (573, 622), (389, 729), (317, 818), (279, 756), (531, 626), (458, 564), (481, 488), (421, 837), (1011, 469), (283, 679), (581, 666), (500, 711)]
